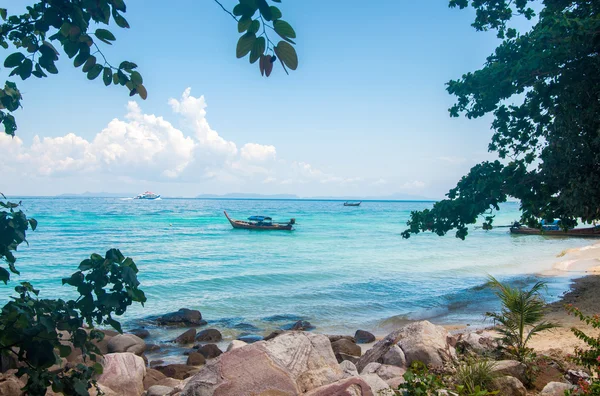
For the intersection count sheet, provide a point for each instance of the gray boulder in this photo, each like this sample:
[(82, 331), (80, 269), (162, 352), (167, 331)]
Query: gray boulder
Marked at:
[(363, 337), (235, 344), (126, 343), (209, 351), (159, 390), (345, 347), (510, 367), (349, 369), (422, 341), (186, 337), (352, 386), (209, 335), (508, 386), (377, 385), (556, 389), (140, 332), (478, 342), (183, 317), (195, 359), (290, 364)]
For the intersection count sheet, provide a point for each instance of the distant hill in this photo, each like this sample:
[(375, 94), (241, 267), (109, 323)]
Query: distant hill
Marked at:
[(247, 196), (99, 195)]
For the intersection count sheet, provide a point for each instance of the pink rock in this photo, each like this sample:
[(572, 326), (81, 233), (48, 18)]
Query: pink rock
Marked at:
[(123, 373)]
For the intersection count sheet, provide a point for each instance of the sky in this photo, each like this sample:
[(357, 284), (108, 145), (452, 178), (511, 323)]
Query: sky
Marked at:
[(365, 114)]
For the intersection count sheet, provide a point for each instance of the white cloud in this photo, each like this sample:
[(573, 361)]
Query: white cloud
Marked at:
[(453, 160), (147, 147), (413, 185)]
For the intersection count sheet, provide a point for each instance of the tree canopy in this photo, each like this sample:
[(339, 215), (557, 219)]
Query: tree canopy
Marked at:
[(543, 89), (72, 25)]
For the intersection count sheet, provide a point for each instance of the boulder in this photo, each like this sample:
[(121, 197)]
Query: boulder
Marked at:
[(210, 351), (103, 345), (159, 390), (209, 335), (363, 337), (158, 362), (478, 342), (187, 337), (195, 359), (290, 364), (352, 386), (123, 373), (250, 338), (349, 369), (152, 347), (152, 377), (235, 344), (246, 327), (395, 382), (556, 389), (394, 357), (342, 357), (346, 347), (334, 338), (378, 386), (273, 334), (140, 332), (508, 386), (177, 371), (10, 385), (301, 325), (183, 317), (170, 382), (510, 367), (574, 376), (384, 371), (422, 341), (126, 343)]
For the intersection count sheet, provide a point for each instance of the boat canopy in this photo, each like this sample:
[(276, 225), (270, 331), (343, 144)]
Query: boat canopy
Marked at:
[(259, 218)]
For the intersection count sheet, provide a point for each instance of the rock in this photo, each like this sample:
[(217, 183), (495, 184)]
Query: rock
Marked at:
[(195, 359), (209, 335), (250, 338), (159, 390), (273, 334), (235, 344), (210, 351), (170, 382), (10, 385), (183, 317), (378, 386), (556, 389), (346, 347), (290, 364), (352, 386), (177, 371), (140, 332), (342, 357), (158, 362), (103, 345), (478, 342), (394, 357), (422, 341), (508, 386), (349, 369), (301, 325), (126, 343), (510, 367), (363, 337), (395, 382), (152, 347), (123, 373), (152, 377), (187, 337), (575, 376), (334, 338), (246, 327), (387, 372)]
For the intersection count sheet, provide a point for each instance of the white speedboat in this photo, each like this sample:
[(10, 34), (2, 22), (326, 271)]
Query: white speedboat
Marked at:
[(147, 195)]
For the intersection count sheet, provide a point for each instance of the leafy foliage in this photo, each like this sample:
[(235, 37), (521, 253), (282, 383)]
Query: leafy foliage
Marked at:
[(474, 376), (419, 381), (520, 317), (590, 357), (543, 88), (251, 16), (38, 332)]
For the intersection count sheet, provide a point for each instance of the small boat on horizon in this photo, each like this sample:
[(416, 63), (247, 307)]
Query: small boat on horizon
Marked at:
[(553, 229), (147, 195), (260, 223), (347, 203)]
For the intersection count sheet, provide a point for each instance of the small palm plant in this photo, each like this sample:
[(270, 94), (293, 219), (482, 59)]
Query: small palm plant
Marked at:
[(520, 318)]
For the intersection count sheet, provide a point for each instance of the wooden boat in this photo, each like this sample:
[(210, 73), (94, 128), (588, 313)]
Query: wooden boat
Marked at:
[(352, 203), (260, 223), (590, 232)]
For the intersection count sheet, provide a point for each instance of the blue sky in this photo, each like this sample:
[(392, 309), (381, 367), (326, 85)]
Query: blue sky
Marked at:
[(364, 114)]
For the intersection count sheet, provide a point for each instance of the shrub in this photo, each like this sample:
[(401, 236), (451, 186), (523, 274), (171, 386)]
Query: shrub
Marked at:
[(589, 357), (474, 376)]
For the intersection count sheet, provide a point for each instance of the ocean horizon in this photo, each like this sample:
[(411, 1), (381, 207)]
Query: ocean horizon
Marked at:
[(342, 268)]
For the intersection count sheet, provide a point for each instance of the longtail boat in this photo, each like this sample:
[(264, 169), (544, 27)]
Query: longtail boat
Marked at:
[(590, 232), (260, 223), (352, 203)]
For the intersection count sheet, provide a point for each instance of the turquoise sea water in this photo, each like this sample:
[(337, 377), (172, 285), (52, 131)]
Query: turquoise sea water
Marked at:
[(343, 268)]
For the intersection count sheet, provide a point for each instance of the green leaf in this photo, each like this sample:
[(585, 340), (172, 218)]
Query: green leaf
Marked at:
[(275, 12), (243, 9), (287, 55), (265, 10), (244, 23), (64, 350), (33, 223), (14, 59), (91, 61), (254, 26), (120, 20), (107, 76), (257, 49), (245, 44), (142, 91), (25, 69), (3, 13), (136, 78), (105, 36), (284, 29), (4, 275)]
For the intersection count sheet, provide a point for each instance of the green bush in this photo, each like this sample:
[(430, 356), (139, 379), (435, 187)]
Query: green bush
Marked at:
[(589, 357), (474, 376)]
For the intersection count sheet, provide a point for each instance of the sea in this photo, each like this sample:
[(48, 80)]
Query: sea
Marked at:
[(341, 269)]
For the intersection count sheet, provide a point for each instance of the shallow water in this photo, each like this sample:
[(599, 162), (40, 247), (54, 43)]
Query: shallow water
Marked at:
[(343, 268)]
